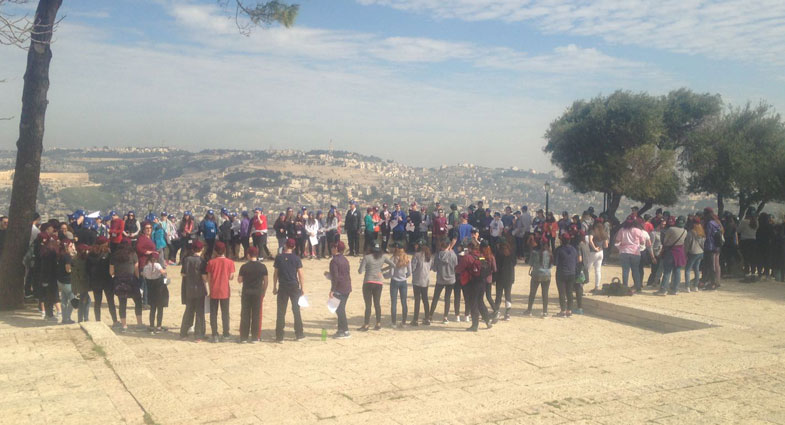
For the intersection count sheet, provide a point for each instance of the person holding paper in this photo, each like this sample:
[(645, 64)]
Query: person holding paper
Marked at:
[(340, 286)]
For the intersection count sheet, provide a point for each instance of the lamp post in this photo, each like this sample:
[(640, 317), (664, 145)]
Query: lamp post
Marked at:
[(547, 195), (149, 207)]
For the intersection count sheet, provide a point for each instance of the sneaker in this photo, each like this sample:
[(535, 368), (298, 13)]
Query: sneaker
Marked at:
[(527, 313), (466, 318), (43, 314), (242, 341), (343, 335), (426, 323), (363, 328), (687, 289), (414, 323), (495, 319), (123, 329), (569, 313), (471, 329), (67, 322), (489, 323), (508, 304), (506, 317), (51, 319), (578, 311), (253, 341), (377, 327), (214, 339), (561, 314), (544, 315), (458, 318), (445, 321), (299, 337), (151, 330), (673, 293), (661, 292)]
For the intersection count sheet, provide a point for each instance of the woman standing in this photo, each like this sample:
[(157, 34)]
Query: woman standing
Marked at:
[(471, 267), (444, 264), (300, 235), (673, 257), (629, 240), (280, 227), (748, 229), (711, 247), (65, 257), (312, 230), (208, 228), (566, 259), (340, 286), (131, 228), (764, 238), (693, 244), (159, 238), (187, 231), (46, 261), (371, 265), (506, 259), (145, 247), (100, 279), (540, 260), (550, 229), (487, 253), (331, 229), (598, 242), (124, 269), (80, 283), (154, 274), (402, 269), (324, 251), (421, 279)]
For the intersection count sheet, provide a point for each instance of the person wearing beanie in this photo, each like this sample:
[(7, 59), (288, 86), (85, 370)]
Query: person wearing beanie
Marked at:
[(194, 290), (253, 277), (289, 273), (219, 272), (340, 286)]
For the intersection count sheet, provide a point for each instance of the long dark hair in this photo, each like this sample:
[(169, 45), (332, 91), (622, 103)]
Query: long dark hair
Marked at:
[(124, 252)]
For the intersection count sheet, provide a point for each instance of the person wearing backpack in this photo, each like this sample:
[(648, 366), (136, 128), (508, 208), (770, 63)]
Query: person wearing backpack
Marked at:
[(540, 259), (422, 262), (566, 259), (402, 269), (473, 270), (506, 259), (444, 264), (711, 247)]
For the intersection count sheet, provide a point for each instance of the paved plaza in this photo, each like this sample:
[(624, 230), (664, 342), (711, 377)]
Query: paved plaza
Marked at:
[(600, 368)]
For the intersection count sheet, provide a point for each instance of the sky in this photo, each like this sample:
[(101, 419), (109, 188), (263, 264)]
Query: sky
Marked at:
[(422, 82)]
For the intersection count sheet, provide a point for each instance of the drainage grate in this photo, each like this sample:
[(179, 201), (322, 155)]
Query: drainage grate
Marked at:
[(640, 318)]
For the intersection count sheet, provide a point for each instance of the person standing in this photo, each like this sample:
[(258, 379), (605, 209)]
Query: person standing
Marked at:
[(421, 279), (208, 228), (694, 247), (352, 227), (398, 224), (566, 259), (340, 286), (371, 265), (253, 277), (194, 291), (158, 294), (124, 269), (402, 269), (100, 279), (540, 259), (413, 225), (289, 272), (444, 264), (711, 247), (506, 259), (80, 283), (385, 215), (65, 257), (312, 231), (219, 272), (145, 247), (245, 232), (259, 233), (748, 228), (131, 228), (439, 229), (371, 227), (470, 271), (629, 240), (597, 240), (673, 258)]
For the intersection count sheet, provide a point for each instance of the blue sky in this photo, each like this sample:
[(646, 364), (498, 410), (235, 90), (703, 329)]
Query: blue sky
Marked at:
[(424, 82)]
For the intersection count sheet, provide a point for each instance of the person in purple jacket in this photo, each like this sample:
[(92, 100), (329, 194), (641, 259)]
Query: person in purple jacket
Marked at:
[(566, 258), (245, 232), (340, 286)]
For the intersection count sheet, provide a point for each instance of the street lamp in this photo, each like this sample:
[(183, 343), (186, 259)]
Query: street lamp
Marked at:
[(150, 207), (547, 195)]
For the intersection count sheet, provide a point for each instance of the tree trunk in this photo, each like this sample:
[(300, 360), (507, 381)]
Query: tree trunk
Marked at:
[(645, 207), (720, 204), (761, 206), (743, 205), (613, 203), (28, 156)]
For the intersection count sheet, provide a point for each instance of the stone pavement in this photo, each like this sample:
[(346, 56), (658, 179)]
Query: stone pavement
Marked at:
[(584, 369)]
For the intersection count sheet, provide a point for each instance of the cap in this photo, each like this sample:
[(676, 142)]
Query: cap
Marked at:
[(374, 248), (210, 212)]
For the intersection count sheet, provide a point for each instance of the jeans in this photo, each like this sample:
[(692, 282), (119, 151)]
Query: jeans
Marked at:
[(370, 239), (83, 314), (630, 262), (281, 243), (714, 266), (670, 274), (398, 287), (209, 246), (66, 295), (565, 284), (477, 307), (98, 295), (137, 297), (693, 264), (533, 292), (372, 291), (503, 288), (224, 303), (193, 307), (421, 293), (343, 324), (594, 261), (260, 242), (287, 293), (250, 306), (144, 290)]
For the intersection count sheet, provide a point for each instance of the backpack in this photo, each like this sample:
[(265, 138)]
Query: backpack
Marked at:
[(615, 288), (484, 268), (718, 238)]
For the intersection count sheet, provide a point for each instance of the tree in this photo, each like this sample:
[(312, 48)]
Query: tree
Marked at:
[(593, 142), (31, 125), (740, 155)]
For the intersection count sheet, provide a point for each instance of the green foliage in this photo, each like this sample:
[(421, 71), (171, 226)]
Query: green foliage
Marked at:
[(684, 112), (93, 196), (651, 175), (740, 155), (264, 13)]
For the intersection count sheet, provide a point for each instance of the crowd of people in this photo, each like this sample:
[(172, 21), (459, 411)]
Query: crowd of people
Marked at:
[(87, 259)]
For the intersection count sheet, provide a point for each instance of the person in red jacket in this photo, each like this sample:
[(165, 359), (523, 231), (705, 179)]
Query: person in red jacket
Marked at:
[(467, 270), (145, 247), (259, 233), (116, 227)]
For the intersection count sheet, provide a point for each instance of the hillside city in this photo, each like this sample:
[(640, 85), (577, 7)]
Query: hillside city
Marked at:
[(165, 179)]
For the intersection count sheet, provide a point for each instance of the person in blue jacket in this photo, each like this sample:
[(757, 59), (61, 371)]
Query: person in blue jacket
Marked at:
[(208, 228), (398, 224)]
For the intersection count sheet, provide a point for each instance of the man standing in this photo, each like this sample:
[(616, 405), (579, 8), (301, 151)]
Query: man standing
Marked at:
[(415, 217), (220, 270), (398, 224), (439, 231), (253, 277), (385, 215), (340, 286), (289, 271), (352, 226), (258, 229)]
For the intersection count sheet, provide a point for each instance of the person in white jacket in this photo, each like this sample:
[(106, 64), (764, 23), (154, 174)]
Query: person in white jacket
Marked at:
[(312, 229)]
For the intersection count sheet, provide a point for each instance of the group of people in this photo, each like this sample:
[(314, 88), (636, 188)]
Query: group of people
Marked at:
[(470, 251)]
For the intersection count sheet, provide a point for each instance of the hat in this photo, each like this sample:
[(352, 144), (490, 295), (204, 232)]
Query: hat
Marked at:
[(497, 214), (82, 247), (340, 246), (113, 212), (472, 208), (210, 212), (464, 215), (101, 240), (252, 252), (590, 209), (164, 214), (197, 245), (680, 221), (255, 209), (291, 243), (78, 213), (474, 230), (352, 202), (171, 216)]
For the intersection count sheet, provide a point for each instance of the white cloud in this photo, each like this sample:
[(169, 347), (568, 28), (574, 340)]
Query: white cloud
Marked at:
[(745, 30)]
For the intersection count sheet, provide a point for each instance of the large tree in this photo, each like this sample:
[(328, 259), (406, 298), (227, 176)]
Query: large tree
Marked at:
[(740, 155), (31, 125)]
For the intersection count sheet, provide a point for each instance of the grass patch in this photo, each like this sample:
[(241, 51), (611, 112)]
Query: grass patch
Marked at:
[(148, 419), (99, 350), (91, 197)]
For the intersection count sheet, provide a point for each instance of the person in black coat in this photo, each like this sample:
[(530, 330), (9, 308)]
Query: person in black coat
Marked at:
[(352, 225)]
